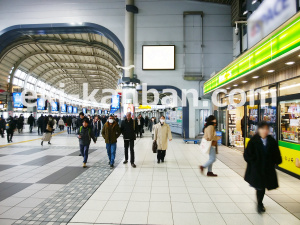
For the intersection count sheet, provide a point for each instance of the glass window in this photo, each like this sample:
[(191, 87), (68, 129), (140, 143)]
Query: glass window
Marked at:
[(30, 79), (15, 81), (290, 120), (23, 75), (289, 87), (18, 73), (268, 113), (252, 120), (33, 80), (20, 83)]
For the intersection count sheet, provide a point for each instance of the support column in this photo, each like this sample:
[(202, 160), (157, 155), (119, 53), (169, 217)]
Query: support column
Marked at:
[(129, 38)]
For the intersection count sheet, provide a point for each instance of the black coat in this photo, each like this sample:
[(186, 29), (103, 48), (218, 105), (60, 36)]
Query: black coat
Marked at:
[(260, 172), (128, 129)]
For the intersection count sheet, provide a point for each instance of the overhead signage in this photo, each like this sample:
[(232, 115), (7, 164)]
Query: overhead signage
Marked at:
[(70, 109), (75, 110), (84, 110), (92, 111), (269, 15), (283, 41), (99, 111), (115, 101), (63, 108), (41, 104), (54, 106), (17, 99)]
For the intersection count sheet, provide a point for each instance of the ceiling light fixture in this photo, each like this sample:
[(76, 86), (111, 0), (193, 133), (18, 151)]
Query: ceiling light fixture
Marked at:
[(289, 63), (255, 77), (235, 85), (92, 75), (228, 88), (254, 1), (271, 71), (244, 81), (246, 12)]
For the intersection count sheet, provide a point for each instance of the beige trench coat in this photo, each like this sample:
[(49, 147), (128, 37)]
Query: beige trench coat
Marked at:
[(161, 134)]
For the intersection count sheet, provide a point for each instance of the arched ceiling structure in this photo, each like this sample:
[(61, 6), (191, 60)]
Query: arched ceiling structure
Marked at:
[(71, 59)]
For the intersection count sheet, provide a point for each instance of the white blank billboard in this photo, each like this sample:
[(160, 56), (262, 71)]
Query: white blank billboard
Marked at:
[(158, 57)]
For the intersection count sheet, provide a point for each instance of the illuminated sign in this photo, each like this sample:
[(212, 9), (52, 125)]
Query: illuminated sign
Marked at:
[(41, 104), (75, 109), (283, 41), (269, 15), (115, 101), (63, 108), (99, 111), (84, 110), (70, 109), (92, 111), (158, 57), (17, 99), (54, 106)]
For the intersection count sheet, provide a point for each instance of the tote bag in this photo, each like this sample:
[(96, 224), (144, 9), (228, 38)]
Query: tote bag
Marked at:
[(205, 146)]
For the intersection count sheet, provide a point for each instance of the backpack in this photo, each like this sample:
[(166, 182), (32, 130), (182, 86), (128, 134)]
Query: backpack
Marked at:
[(80, 129)]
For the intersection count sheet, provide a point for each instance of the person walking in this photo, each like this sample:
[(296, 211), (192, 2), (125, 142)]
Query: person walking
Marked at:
[(10, 128), (74, 122), (85, 135), (162, 133), (61, 124), (111, 132), (128, 131), (20, 123), (139, 121), (40, 123), (31, 122), (152, 122), (2, 126), (210, 135), (96, 126), (262, 155), (69, 124), (48, 131)]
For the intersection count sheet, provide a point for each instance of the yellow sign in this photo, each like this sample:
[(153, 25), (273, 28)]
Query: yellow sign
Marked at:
[(290, 160), (144, 107)]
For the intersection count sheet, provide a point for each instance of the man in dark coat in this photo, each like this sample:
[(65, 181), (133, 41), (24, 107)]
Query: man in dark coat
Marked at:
[(40, 123), (2, 126), (262, 155), (30, 121), (128, 131), (139, 121), (11, 126)]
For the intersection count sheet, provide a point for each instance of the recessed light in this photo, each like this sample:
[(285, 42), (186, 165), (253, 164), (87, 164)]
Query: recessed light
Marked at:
[(289, 63), (228, 88), (271, 71), (93, 75), (235, 85), (255, 77), (244, 81)]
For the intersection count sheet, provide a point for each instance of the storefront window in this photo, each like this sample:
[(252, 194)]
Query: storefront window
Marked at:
[(290, 120), (268, 113), (289, 87), (252, 120)]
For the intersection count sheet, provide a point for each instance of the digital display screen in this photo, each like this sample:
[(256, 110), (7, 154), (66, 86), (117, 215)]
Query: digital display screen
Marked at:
[(64, 108), (54, 106), (92, 111), (115, 101), (99, 111), (159, 57), (75, 109), (105, 112), (70, 109), (17, 99), (41, 105), (84, 110)]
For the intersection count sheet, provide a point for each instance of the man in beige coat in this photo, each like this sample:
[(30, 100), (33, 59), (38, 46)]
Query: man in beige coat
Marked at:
[(162, 133)]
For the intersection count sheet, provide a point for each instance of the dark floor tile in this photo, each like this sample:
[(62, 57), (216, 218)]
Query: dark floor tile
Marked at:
[(8, 189), (63, 176), (77, 152), (31, 151), (43, 160), (5, 167)]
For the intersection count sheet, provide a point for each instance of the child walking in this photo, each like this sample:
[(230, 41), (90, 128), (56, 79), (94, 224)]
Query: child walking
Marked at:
[(85, 135)]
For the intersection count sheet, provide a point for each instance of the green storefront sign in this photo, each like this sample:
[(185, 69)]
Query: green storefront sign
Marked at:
[(283, 41)]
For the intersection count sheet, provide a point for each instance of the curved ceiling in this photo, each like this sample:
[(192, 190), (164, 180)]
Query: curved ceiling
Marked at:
[(72, 59)]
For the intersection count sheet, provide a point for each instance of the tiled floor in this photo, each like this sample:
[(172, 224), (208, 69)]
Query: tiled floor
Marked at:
[(46, 185)]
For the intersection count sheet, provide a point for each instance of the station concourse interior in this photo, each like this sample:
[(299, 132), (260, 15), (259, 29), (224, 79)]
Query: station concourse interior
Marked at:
[(88, 87)]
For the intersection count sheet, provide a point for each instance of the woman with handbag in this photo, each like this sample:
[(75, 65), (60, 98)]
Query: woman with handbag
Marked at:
[(210, 135), (48, 131)]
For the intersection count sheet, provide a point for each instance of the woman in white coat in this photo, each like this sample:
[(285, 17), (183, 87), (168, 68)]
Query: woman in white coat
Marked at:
[(162, 133)]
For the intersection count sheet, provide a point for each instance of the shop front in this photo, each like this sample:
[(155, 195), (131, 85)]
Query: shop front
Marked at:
[(268, 74)]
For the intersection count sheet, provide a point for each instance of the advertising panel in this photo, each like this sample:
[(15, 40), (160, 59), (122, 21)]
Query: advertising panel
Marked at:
[(54, 106), (75, 110), (17, 99), (92, 111), (70, 109), (41, 104), (63, 108), (269, 15), (115, 101), (84, 110)]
